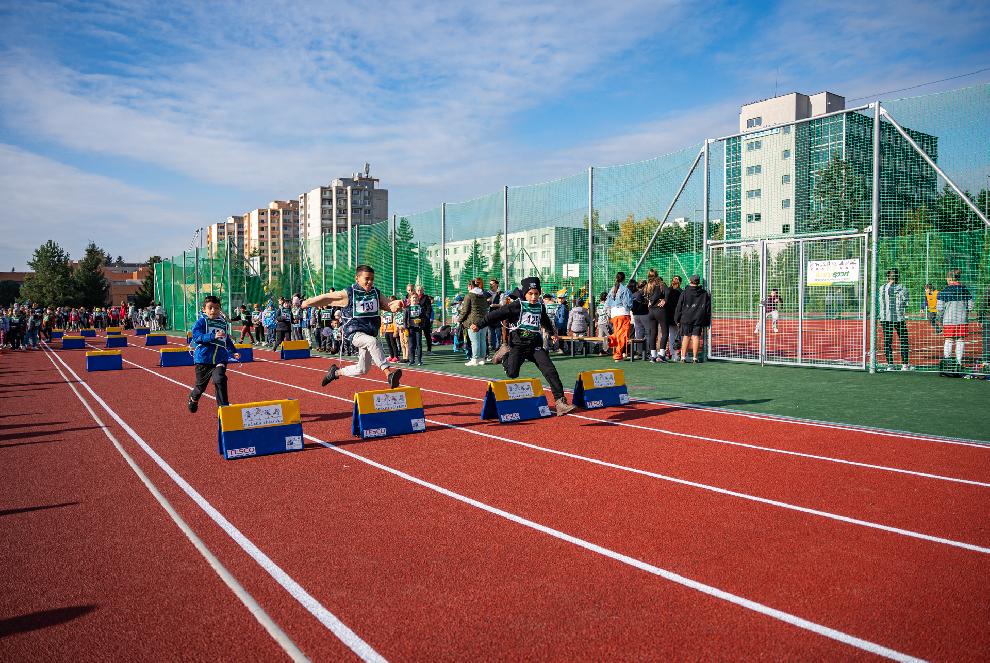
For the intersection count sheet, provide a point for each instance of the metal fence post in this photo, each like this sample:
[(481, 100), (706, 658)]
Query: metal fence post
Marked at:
[(350, 238), (443, 263), (185, 304), (395, 282), (875, 237), (592, 301), (228, 284), (704, 245)]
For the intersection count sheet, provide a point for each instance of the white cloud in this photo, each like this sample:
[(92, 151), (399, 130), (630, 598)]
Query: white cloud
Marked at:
[(49, 200)]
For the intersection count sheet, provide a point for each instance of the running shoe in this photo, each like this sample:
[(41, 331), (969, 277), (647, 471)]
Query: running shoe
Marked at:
[(393, 378), (331, 375)]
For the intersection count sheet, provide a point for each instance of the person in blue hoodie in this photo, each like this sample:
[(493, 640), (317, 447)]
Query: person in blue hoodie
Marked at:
[(213, 349)]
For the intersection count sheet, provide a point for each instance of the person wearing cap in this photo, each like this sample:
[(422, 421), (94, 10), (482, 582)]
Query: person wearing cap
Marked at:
[(525, 341), (693, 314)]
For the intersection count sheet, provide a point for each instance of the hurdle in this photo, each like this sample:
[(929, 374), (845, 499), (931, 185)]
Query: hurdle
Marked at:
[(114, 341), (246, 351), (157, 338), (259, 429), (73, 343), (385, 412), (168, 357), (294, 350), (515, 400), (601, 388), (104, 360)]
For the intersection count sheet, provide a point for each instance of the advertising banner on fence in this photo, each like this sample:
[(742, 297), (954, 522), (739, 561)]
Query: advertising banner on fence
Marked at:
[(833, 272)]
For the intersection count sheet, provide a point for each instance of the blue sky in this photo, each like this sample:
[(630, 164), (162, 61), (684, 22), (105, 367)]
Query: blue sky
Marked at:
[(134, 123)]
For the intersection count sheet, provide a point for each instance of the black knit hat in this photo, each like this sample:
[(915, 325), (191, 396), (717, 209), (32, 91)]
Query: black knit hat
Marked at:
[(530, 283)]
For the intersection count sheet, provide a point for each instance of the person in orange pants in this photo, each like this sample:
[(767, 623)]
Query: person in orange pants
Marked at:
[(619, 303)]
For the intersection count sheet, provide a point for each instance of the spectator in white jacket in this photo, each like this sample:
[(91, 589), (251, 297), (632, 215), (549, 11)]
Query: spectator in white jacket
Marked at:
[(892, 311)]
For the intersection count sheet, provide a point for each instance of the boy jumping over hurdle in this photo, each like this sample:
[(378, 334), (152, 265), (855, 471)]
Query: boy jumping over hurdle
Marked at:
[(360, 305), (525, 339), (214, 347)]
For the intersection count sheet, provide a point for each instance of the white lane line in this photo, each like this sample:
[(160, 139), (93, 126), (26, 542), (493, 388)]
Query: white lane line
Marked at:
[(653, 475), (870, 430), (360, 648), (226, 576), (703, 438), (709, 590)]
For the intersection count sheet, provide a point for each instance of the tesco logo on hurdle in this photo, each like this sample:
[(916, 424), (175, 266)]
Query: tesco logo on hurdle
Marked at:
[(375, 432), (594, 404), (239, 453), (511, 416)]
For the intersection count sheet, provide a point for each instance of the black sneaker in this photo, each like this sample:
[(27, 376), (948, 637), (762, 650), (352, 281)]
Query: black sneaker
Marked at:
[(330, 376), (193, 405), (393, 378)]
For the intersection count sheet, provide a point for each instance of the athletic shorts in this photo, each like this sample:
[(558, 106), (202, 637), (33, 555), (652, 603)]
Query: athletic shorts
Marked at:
[(692, 330), (954, 331)]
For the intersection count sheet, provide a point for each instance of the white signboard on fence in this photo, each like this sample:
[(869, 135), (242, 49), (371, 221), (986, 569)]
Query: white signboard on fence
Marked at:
[(832, 272), (571, 270)]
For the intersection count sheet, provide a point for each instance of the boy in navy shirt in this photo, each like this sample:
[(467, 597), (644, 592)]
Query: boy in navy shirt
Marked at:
[(214, 347)]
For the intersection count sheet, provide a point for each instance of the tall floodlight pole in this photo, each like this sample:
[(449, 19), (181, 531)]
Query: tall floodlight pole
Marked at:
[(704, 241)]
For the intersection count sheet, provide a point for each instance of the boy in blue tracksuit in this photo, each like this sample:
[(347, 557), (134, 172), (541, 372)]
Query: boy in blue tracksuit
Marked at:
[(214, 347)]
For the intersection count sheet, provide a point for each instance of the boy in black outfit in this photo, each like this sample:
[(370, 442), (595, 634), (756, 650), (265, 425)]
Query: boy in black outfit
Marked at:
[(526, 317), (214, 347)]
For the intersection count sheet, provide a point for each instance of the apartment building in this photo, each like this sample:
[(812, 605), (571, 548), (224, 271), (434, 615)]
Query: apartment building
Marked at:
[(800, 166), (271, 237), (218, 234), (346, 202)]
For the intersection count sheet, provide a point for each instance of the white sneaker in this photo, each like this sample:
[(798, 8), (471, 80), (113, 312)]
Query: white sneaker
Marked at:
[(470, 363), (905, 367), (480, 362)]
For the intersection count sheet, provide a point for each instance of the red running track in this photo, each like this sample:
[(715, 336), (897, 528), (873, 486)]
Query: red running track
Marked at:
[(419, 573)]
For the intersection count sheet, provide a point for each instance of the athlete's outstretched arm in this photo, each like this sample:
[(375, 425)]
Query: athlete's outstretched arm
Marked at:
[(336, 298)]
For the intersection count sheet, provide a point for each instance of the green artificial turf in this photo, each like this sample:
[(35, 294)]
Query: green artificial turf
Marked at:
[(915, 402)]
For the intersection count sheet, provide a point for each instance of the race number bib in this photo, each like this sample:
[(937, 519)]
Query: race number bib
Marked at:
[(214, 326), (366, 304), (529, 317)]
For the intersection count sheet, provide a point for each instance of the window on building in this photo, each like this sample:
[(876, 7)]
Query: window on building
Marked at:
[(543, 240), (785, 179), (754, 145), (756, 217), (532, 240), (787, 128), (545, 255), (785, 203), (446, 252), (457, 263), (786, 229), (754, 170), (754, 193), (754, 122), (786, 154)]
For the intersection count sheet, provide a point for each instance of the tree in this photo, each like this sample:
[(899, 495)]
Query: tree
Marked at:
[(10, 291), (91, 285), (119, 262), (476, 265), (952, 214), (146, 293), (51, 283), (496, 268), (840, 195)]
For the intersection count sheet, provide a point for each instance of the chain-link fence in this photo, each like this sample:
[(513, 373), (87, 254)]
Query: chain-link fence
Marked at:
[(782, 222)]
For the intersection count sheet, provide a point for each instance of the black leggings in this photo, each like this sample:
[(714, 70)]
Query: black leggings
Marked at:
[(206, 372), (513, 361), (282, 335), (888, 329), (415, 346), (656, 321), (393, 345)]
